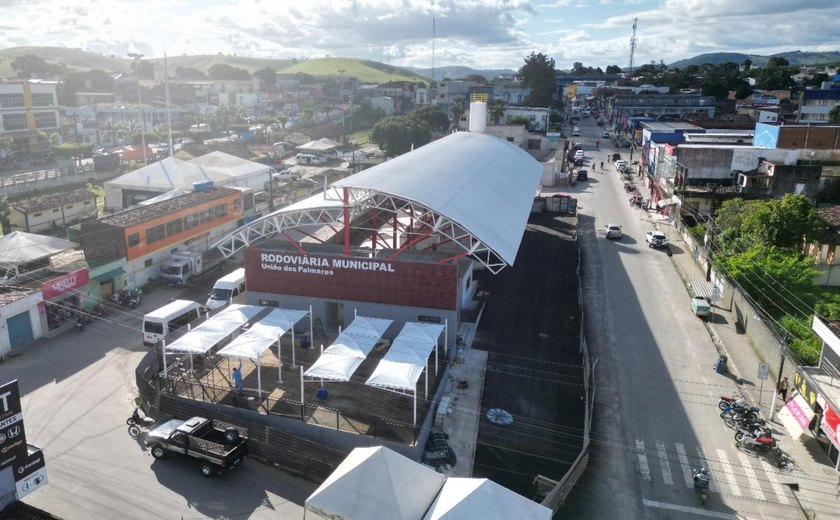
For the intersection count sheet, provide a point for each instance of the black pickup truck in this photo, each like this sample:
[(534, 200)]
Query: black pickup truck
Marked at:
[(217, 445)]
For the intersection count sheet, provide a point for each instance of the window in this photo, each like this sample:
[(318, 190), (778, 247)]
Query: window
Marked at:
[(87, 203), (429, 319), (55, 210), (154, 234), (133, 239), (11, 100), (148, 262), (174, 227), (45, 120), (190, 221), (221, 210), (269, 303), (14, 122), (236, 203), (205, 216), (42, 100), (37, 214), (68, 207)]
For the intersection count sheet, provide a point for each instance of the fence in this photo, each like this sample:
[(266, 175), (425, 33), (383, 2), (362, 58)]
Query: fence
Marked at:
[(557, 491)]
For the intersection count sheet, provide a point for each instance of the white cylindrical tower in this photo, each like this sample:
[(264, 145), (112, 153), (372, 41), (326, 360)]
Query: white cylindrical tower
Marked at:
[(478, 116)]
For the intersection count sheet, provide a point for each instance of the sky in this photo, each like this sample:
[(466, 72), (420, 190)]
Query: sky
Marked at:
[(482, 34)]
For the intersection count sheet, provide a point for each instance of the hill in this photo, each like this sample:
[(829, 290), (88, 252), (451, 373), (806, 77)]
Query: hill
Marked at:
[(364, 70), (796, 58), (457, 72)]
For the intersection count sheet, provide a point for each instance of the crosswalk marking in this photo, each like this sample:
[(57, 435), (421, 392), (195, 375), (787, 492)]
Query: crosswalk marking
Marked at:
[(778, 489), (752, 479), (726, 468), (643, 463), (704, 461), (663, 463), (686, 467)]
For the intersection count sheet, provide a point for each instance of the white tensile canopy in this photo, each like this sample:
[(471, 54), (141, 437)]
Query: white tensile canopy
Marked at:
[(341, 359), (262, 335), (482, 499), (18, 247), (376, 484), (407, 358), (206, 335)]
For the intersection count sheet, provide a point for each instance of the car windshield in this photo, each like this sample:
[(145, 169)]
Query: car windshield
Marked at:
[(220, 294), (171, 269)]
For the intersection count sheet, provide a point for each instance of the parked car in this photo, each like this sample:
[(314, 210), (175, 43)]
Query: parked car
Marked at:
[(576, 132), (217, 446), (620, 166), (612, 231), (605, 135), (579, 161), (579, 154), (656, 239), (582, 175)]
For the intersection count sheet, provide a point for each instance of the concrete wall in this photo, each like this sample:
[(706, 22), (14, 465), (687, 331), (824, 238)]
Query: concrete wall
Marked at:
[(36, 320)]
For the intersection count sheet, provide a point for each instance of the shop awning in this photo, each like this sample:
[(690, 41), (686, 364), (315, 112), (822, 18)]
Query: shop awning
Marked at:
[(110, 275)]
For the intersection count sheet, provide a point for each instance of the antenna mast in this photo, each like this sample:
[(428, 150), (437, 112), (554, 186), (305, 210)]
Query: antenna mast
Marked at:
[(633, 46), (434, 35)]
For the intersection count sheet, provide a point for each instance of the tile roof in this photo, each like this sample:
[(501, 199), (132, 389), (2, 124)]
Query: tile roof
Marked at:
[(52, 201), (140, 214)]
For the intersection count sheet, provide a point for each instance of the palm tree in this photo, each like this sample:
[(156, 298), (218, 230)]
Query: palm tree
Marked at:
[(112, 130), (496, 110), (458, 109)]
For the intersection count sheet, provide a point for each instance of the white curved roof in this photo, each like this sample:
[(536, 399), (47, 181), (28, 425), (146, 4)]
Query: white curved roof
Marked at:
[(484, 184)]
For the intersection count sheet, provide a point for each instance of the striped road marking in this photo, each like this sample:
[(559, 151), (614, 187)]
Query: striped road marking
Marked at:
[(727, 471), (686, 467), (686, 509), (643, 463), (778, 489), (752, 479), (663, 463)]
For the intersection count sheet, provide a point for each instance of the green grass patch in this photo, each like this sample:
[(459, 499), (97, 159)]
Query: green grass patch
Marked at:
[(363, 70), (360, 137)]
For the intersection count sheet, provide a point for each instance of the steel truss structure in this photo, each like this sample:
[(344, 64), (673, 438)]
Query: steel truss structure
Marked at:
[(363, 210)]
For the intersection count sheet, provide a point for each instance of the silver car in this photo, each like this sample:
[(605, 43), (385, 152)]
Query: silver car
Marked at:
[(612, 231)]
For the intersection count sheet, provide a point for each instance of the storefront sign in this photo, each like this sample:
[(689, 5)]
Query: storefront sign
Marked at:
[(321, 265), (830, 424), (12, 438), (803, 386), (796, 415), (65, 283)]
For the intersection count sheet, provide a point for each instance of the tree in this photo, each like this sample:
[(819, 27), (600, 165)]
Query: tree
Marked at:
[(397, 135), (538, 76), (5, 211), (775, 75), (225, 71), (30, 65), (267, 77), (437, 120), (496, 110), (457, 108), (613, 70), (189, 73), (834, 115), (781, 223)]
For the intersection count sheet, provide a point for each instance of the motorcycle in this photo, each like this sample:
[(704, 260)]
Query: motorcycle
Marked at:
[(136, 423), (80, 324), (756, 443), (783, 460), (725, 401), (131, 298), (754, 431), (701, 483)]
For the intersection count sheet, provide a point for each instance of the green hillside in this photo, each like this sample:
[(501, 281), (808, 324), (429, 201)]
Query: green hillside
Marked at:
[(364, 70)]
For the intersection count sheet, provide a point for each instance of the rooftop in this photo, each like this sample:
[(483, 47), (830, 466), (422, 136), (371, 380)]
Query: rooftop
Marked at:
[(53, 201), (140, 214)]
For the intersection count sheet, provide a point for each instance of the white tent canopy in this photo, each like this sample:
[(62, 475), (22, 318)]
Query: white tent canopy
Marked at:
[(376, 484), (479, 498), (349, 350), (17, 247), (405, 360), (209, 333), (263, 334)]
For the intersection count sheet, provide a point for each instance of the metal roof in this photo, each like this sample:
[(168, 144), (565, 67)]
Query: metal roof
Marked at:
[(473, 189), (484, 184)]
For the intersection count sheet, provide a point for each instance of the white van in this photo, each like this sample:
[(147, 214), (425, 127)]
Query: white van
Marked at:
[(229, 288), (161, 322), (308, 158)]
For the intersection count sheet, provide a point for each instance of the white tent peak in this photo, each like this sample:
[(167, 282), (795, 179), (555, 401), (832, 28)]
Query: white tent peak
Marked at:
[(468, 498), (376, 484), (18, 246)]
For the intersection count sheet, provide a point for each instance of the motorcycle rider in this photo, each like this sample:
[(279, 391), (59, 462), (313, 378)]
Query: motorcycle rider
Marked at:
[(701, 480)]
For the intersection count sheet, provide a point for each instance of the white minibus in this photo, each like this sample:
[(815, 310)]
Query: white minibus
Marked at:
[(229, 288), (162, 322)]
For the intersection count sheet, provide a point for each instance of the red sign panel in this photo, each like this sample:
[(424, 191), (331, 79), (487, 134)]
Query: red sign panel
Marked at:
[(831, 424), (65, 283), (364, 279)]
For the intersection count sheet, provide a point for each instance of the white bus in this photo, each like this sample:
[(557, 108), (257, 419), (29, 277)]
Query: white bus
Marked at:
[(161, 322), (229, 288)]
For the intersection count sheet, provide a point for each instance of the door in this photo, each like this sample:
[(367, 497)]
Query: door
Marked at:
[(20, 329)]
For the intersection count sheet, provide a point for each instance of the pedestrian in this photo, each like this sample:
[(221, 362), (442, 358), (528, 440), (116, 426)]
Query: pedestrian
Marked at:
[(783, 388), (602, 165), (237, 378)]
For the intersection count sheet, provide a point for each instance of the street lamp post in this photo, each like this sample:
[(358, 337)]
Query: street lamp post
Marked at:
[(137, 58)]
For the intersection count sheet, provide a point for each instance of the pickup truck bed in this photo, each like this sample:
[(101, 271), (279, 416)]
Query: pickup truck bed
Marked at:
[(217, 445)]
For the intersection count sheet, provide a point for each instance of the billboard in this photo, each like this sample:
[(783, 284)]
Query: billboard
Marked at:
[(365, 279)]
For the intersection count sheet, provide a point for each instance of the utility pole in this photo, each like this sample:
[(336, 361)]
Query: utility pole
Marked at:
[(140, 102)]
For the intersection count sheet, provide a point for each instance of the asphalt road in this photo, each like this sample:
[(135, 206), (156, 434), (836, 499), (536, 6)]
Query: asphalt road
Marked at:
[(656, 396), (77, 392)]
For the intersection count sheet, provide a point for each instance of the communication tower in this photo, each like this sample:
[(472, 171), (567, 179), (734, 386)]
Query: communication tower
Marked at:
[(632, 47)]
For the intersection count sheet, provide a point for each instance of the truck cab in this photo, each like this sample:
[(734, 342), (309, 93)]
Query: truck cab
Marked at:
[(216, 445)]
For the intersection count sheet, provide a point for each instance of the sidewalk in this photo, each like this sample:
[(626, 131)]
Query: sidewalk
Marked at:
[(819, 484)]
